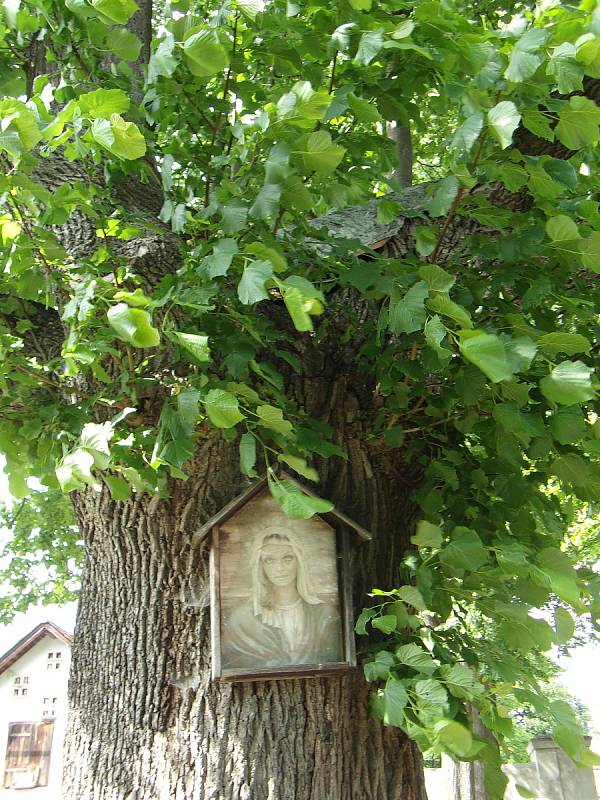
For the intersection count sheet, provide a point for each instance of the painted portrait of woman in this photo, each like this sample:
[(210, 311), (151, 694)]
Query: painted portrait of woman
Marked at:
[(284, 621)]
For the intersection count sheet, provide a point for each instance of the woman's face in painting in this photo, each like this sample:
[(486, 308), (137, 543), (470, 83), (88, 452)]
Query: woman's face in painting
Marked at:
[(279, 563)]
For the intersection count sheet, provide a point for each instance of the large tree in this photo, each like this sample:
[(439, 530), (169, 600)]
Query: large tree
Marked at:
[(206, 275)]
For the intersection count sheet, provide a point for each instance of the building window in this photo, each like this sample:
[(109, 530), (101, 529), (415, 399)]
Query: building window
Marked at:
[(26, 679), (46, 700), (50, 666), (16, 692), (54, 700), (28, 754), (23, 692), (50, 655), (57, 665), (18, 680), (59, 655)]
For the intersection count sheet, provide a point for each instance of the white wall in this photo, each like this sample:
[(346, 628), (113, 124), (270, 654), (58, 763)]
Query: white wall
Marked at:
[(43, 683)]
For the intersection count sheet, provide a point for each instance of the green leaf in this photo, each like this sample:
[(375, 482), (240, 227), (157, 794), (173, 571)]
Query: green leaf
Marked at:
[(435, 331), (453, 736), (133, 325), (487, 352), (567, 425), (296, 306), (119, 11), (461, 681), (426, 240), (162, 61), (395, 698), (128, 142), (386, 623), (94, 439), (436, 278), (204, 53), (194, 343), (523, 791), (266, 204), (363, 110), (361, 623), (524, 60), (563, 625), (251, 8), (222, 408), (122, 139), (294, 503), (103, 103), (584, 476), (442, 304), (379, 668), (539, 124), (119, 489), (124, 44), (300, 466), (427, 535), (137, 299), (320, 154), (504, 119), (412, 596), (219, 262), (443, 197), (248, 455), (569, 343), (369, 46), (417, 658), (272, 418), (251, 288), (563, 65), (387, 211), (394, 436), (75, 471), (407, 313), (467, 134), (17, 119), (568, 383), (590, 251), (562, 228), (464, 553), (578, 123), (431, 696)]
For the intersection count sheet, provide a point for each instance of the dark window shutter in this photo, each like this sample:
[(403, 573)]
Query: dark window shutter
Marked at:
[(28, 754)]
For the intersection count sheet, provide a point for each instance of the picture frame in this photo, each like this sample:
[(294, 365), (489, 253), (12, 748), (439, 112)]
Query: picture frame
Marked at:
[(280, 591)]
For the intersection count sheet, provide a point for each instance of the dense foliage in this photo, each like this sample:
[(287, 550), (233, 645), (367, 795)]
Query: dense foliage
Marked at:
[(40, 553), (259, 117)]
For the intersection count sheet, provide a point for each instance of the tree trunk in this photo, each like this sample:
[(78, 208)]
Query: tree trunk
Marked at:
[(146, 720)]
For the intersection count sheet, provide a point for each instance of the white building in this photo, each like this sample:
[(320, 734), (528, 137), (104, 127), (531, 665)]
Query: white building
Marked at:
[(33, 711)]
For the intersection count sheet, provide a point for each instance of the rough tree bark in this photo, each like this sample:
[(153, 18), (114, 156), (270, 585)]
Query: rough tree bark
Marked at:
[(146, 721)]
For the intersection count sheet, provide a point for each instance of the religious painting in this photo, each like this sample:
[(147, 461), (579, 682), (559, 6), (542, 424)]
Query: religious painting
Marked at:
[(278, 603)]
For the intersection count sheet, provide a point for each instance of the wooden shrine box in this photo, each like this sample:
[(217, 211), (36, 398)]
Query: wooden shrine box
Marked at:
[(280, 588)]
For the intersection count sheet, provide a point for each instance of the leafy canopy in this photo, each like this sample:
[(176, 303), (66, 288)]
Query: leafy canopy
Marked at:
[(259, 117)]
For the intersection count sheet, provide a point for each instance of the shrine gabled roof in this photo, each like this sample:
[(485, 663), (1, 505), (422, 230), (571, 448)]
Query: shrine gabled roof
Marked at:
[(32, 638), (238, 502)]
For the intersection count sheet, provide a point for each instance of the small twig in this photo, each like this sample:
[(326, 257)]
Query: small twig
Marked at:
[(37, 376), (447, 222), (28, 231), (460, 193), (219, 119), (278, 220), (332, 78)]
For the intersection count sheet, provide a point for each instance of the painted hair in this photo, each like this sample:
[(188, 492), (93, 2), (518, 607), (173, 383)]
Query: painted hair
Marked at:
[(260, 583)]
